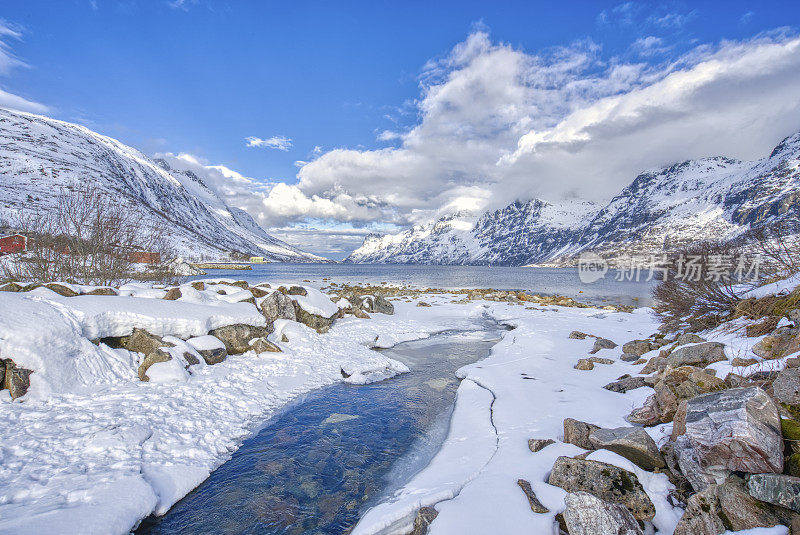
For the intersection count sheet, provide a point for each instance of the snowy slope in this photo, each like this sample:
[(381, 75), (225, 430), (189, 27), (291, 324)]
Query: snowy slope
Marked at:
[(662, 208), (40, 156)]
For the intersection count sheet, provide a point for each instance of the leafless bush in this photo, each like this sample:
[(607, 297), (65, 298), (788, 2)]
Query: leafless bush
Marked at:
[(780, 246), (86, 238), (700, 299)]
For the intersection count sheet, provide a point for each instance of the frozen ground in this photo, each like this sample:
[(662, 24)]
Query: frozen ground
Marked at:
[(94, 449)]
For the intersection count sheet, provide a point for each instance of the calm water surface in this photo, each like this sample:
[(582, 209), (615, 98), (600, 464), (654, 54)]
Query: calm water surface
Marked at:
[(562, 281), (320, 463)]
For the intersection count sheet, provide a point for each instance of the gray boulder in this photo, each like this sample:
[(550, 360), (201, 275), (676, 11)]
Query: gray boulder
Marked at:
[(700, 355), (627, 357), (633, 443), (278, 306), (636, 347), (237, 337), (588, 515), (602, 343), (533, 501), (786, 387), (262, 345), (737, 429), (624, 384), (319, 323), (577, 433), (777, 489), (689, 338), (212, 355), (538, 444), (605, 481), (690, 468), (158, 355), (383, 305), (140, 341), (15, 379), (578, 335), (647, 414)]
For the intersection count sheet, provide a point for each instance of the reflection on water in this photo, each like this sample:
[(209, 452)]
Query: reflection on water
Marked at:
[(562, 281), (317, 465)]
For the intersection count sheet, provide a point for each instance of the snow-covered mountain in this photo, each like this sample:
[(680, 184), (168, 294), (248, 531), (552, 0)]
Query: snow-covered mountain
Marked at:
[(40, 156), (711, 198)]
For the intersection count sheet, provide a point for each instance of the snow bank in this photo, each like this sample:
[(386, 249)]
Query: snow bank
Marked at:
[(316, 302), (92, 446)]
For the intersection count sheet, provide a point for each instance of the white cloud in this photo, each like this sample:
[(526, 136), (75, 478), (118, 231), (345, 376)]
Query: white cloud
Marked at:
[(498, 123), (274, 142), (15, 102)]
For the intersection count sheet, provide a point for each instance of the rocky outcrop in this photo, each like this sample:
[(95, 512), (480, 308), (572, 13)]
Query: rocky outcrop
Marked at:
[(782, 342), (237, 337), (633, 443), (605, 481), (587, 514)]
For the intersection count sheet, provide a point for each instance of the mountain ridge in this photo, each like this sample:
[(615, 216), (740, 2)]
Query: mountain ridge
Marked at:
[(40, 155), (662, 208)]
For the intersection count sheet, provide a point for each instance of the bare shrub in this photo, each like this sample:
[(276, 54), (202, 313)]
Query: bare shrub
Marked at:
[(85, 238), (697, 302), (780, 246)]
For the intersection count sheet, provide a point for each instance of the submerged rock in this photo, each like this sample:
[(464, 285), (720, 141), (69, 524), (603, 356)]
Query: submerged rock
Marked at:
[(589, 515), (605, 481)]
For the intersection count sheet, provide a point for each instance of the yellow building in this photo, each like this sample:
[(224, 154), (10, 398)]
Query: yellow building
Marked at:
[(256, 259)]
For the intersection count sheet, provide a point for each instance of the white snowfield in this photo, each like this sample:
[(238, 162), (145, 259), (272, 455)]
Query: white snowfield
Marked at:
[(91, 449)]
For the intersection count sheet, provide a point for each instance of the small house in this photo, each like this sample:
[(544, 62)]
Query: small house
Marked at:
[(144, 257), (256, 259), (16, 243)]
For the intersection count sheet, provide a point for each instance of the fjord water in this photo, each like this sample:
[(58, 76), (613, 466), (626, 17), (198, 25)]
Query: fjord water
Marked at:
[(547, 281), (321, 462)]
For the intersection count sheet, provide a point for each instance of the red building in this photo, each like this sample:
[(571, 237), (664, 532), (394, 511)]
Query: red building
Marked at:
[(16, 243), (144, 257)]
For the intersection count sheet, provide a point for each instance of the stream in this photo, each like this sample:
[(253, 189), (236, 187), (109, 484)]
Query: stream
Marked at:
[(322, 461)]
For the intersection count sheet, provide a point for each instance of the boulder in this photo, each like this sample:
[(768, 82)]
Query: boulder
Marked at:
[(383, 306), (11, 287), (237, 337), (423, 304), (140, 341), (782, 342), (210, 348), (15, 379), (601, 360), (624, 384), (602, 343), (60, 289), (258, 292), (737, 429), (577, 433), (241, 284), (739, 362), (633, 443), (577, 335), (740, 511), (777, 489), (689, 338), (689, 464), (636, 347), (700, 355), (199, 286), (533, 501), (262, 345), (627, 357), (588, 515), (158, 355), (423, 520), (786, 387), (653, 365), (538, 444), (173, 294), (103, 291), (319, 323), (297, 290), (278, 306), (647, 414), (357, 312), (584, 364), (605, 481)]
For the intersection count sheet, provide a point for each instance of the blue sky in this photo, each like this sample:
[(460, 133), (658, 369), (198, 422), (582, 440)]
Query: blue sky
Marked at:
[(201, 77)]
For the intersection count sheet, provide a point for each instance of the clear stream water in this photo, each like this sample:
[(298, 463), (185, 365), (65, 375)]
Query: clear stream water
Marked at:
[(322, 461), (547, 281)]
